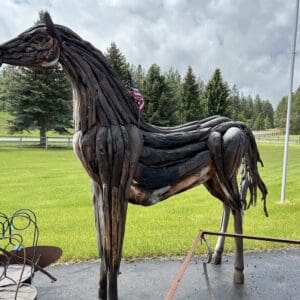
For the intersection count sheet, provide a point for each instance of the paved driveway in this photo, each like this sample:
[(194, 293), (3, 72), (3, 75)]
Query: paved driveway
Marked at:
[(271, 275)]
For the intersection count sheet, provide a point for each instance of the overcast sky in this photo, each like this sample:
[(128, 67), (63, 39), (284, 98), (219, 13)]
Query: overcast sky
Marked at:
[(250, 41)]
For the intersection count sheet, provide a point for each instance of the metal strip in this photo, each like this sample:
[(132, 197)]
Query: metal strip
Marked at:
[(201, 237)]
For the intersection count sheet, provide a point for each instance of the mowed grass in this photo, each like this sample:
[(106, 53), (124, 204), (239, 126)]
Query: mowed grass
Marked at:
[(4, 129), (53, 184)]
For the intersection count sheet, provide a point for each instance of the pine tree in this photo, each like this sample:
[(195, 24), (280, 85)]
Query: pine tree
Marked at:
[(267, 123), (191, 97), (280, 113), (234, 103), (295, 115), (217, 94), (2, 92), (259, 122), (138, 75), (39, 99), (118, 62), (257, 106), (6, 80), (174, 96), (268, 113), (161, 96), (153, 87)]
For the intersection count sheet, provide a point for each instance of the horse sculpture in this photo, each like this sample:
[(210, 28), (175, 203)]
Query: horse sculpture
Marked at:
[(131, 161)]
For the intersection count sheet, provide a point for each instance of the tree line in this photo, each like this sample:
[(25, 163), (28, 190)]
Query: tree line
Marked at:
[(41, 99), (172, 99)]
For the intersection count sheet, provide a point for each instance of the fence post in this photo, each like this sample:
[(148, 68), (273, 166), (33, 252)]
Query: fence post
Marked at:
[(46, 143), (20, 142)]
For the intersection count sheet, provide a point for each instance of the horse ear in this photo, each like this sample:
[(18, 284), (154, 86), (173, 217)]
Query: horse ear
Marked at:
[(49, 24)]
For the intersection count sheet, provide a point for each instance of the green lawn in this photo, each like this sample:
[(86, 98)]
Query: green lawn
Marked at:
[(4, 131), (53, 184)]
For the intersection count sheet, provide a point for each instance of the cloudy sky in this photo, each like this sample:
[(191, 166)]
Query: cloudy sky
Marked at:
[(250, 41)]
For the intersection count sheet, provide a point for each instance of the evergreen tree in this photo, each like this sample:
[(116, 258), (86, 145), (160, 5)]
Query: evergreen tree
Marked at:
[(217, 94), (118, 62), (249, 109), (191, 97), (39, 99), (167, 109), (268, 113), (281, 110), (6, 80), (295, 115), (257, 107), (259, 122), (161, 96), (280, 113), (267, 123), (2, 92), (138, 75), (153, 87), (174, 94), (234, 103)]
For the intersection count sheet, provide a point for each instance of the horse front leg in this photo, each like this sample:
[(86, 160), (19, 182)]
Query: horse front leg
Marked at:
[(238, 276), (116, 164), (111, 214), (217, 257)]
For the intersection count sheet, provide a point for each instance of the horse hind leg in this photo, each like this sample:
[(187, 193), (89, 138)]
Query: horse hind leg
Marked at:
[(217, 257), (234, 142), (238, 276), (215, 188)]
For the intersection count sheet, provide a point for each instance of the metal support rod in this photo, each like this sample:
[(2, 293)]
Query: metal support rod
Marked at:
[(200, 237), (183, 267), (250, 237), (288, 114)]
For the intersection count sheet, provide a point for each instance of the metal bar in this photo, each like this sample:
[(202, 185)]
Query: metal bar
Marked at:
[(251, 237), (183, 267), (200, 237), (288, 114)]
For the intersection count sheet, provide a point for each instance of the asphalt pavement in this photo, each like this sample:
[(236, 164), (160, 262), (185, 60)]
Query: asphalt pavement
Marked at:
[(273, 274)]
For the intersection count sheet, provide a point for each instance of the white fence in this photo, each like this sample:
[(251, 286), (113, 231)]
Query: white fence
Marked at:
[(34, 142), (276, 139), (25, 142)]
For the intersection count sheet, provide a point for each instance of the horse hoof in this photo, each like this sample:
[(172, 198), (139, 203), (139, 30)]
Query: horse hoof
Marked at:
[(217, 259), (238, 277)]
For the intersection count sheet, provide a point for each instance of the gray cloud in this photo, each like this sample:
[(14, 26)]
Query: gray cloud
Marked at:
[(249, 40)]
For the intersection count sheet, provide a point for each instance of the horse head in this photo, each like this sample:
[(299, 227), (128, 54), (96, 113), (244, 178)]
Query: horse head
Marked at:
[(38, 46)]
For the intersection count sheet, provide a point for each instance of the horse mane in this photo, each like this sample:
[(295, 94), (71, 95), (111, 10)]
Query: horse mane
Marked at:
[(80, 58)]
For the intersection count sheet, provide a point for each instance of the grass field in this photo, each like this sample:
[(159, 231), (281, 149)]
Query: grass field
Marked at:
[(53, 184), (4, 131)]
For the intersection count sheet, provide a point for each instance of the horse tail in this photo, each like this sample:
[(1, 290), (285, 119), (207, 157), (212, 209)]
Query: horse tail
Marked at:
[(250, 178)]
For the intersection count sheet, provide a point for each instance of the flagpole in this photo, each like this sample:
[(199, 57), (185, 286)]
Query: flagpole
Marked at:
[(288, 114)]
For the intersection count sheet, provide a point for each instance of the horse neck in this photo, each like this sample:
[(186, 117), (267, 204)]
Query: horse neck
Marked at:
[(99, 97)]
